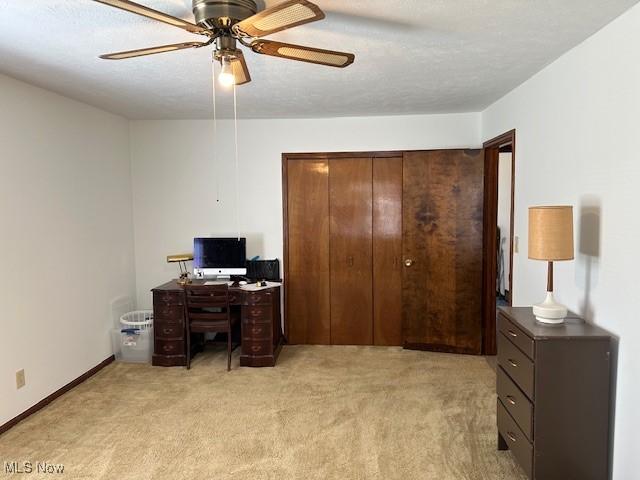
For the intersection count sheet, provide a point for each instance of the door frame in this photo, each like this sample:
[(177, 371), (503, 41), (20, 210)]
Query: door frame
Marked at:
[(490, 255)]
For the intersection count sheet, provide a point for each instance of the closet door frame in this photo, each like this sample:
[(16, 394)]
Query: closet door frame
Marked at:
[(286, 157)]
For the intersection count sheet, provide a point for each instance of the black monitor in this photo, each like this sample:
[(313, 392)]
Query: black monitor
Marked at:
[(219, 257)]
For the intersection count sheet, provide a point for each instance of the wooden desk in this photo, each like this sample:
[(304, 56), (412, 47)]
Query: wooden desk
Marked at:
[(261, 329)]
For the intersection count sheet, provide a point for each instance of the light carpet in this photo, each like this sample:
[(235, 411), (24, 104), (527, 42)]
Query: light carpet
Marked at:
[(322, 413)]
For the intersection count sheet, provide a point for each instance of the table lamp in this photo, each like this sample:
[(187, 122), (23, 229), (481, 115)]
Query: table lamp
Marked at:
[(182, 260), (550, 239)]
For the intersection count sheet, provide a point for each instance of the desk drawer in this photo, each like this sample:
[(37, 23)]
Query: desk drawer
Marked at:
[(516, 336), (257, 347), (256, 331), (168, 298), (169, 347), (516, 403), (259, 298), (256, 312), (518, 444), (169, 330), (168, 313), (516, 364), (235, 298)]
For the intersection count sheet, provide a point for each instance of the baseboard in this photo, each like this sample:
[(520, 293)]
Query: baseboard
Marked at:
[(43, 403)]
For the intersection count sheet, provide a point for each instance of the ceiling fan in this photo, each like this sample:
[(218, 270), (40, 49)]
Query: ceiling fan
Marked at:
[(226, 23)]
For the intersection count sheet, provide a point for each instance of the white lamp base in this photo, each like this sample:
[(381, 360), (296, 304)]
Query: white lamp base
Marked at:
[(550, 311)]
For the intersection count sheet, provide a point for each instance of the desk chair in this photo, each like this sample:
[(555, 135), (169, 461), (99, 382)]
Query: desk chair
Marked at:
[(199, 302)]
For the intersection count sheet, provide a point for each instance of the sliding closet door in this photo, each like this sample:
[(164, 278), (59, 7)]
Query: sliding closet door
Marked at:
[(442, 250), (307, 210), (350, 200), (387, 251)]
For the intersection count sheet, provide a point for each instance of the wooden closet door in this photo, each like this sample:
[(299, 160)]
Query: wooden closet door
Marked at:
[(307, 209), (387, 251), (350, 198), (442, 224)]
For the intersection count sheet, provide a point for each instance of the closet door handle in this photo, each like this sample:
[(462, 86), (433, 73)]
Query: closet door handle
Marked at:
[(408, 262), (350, 261)]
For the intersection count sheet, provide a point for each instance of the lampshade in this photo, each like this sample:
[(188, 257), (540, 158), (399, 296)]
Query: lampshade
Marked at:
[(551, 233)]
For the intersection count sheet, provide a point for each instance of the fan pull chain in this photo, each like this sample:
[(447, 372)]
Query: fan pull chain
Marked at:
[(216, 170), (235, 127)]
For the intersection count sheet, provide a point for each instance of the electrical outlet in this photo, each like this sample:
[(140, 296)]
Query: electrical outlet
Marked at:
[(20, 379)]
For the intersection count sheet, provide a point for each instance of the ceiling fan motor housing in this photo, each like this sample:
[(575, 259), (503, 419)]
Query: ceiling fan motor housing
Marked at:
[(222, 13)]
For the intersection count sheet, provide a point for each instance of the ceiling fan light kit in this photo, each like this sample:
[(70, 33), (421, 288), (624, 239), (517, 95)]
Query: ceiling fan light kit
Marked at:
[(229, 22)]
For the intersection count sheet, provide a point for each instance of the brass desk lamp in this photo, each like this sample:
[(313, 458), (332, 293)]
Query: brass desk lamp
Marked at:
[(182, 260)]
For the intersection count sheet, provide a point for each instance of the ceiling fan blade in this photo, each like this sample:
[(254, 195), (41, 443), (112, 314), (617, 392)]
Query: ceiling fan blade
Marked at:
[(150, 51), (240, 69), (281, 17), (330, 58), (154, 14)]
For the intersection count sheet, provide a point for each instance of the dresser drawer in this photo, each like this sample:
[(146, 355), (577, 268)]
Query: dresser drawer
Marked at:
[(168, 298), (518, 444), (257, 347), (517, 336), (259, 298), (516, 403), (169, 330), (256, 312), (168, 313), (256, 331), (516, 364), (169, 347)]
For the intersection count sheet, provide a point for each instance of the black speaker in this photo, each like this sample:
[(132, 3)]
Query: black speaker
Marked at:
[(264, 270)]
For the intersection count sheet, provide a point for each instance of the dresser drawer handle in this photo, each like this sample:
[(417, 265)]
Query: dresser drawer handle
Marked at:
[(512, 437), (511, 400), (167, 331), (513, 363), (255, 312), (168, 348), (256, 348), (512, 333), (256, 330)]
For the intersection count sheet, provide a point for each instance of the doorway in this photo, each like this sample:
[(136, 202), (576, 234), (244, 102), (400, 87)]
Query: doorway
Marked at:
[(498, 241)]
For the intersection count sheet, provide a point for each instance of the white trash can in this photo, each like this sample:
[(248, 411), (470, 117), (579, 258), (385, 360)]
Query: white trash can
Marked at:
[(135, 337)]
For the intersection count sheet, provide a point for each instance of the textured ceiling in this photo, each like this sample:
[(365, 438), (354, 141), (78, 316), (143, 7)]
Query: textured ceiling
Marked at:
[(412, 56)]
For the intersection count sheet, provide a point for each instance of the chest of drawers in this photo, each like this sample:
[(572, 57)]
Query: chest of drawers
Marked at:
[(553, 388)]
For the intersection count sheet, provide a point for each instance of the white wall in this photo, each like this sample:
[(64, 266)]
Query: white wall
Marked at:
[(175, 178), (577, 135), (66, 238), (505, 160)]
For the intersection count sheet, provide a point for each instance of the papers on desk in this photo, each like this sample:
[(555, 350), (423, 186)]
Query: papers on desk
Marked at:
[(253, 287)]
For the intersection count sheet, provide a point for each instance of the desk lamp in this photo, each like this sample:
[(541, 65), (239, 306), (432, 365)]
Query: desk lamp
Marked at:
[(182, 260), (550, 239)]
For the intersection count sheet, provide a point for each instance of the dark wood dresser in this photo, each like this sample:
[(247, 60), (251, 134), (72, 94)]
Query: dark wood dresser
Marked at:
[(553, 396), (261, 329)]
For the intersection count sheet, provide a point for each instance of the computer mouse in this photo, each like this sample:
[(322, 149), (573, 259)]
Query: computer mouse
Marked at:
[(242, 283)]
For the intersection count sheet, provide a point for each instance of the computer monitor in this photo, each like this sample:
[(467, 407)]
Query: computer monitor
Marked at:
[(219, 257)]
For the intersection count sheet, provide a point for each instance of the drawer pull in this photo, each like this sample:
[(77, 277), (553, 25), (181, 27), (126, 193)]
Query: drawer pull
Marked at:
[(513, 363), (512, 333), (256, 348), (256, 330), (167, 331), (168, 348), (511, 400), (512, 437)]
